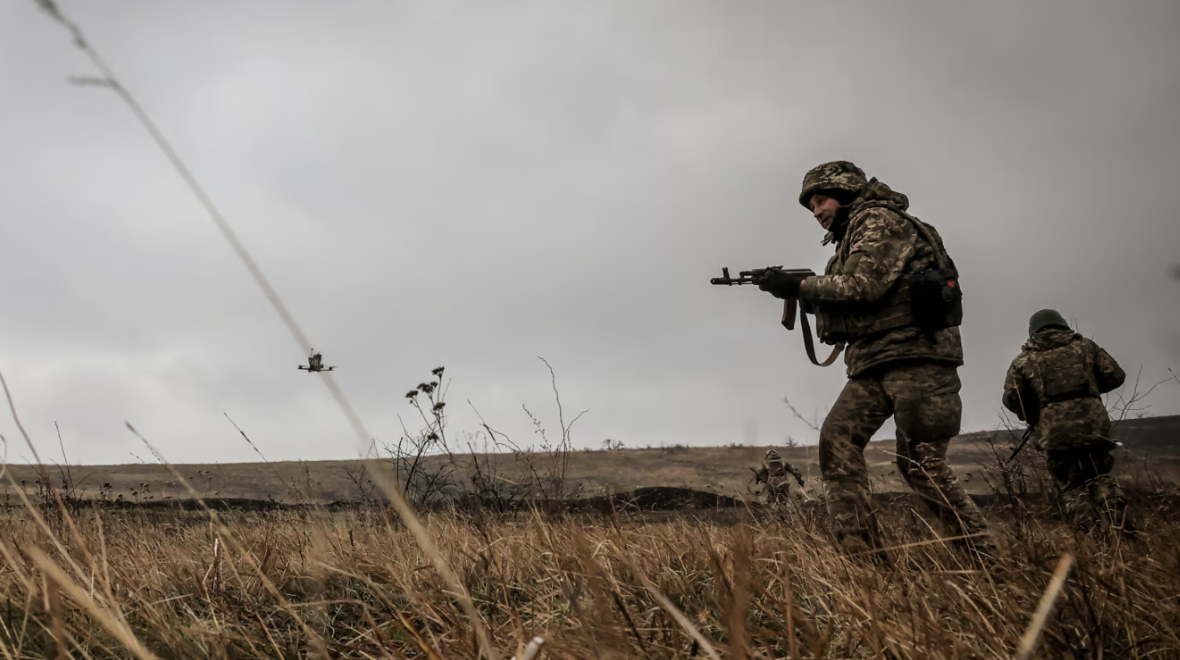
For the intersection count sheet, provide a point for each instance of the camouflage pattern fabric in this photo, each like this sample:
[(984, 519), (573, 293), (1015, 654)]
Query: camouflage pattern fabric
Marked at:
[(1074, 424), (877, 252), (773, 472), (1089, 496), (924, 400)]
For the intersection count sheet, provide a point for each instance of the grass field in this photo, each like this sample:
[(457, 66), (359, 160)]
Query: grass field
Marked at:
[(85, 581), (734, 584)]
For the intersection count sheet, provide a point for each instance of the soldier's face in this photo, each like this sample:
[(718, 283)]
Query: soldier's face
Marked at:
[(824, 209)]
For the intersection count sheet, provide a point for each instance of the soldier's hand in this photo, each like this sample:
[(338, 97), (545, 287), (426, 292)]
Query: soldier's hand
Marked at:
[(780, 284)]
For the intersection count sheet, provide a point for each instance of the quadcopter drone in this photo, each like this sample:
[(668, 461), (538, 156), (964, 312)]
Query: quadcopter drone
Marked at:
[(315, 363)]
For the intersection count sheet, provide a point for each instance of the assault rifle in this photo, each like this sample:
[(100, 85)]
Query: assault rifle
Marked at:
[(756, 276), (790, 305), (1023, 442), (1029, 413)]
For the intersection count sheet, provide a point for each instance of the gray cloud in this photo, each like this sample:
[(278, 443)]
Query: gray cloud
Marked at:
[(475, 185)]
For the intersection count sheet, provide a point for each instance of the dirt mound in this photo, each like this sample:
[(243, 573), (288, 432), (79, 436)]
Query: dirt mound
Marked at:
[(655, 498)]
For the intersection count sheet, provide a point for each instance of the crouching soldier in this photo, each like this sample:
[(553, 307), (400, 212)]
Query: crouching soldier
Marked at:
[(773, 472), (1055, 385)]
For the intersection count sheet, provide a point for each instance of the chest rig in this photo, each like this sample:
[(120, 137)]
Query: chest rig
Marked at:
[(928, 298)]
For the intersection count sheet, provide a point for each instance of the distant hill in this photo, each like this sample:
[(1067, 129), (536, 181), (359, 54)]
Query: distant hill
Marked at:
[(1151, 450)]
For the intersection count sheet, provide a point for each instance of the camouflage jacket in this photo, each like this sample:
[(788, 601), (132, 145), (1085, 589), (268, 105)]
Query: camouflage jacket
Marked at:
[(1057, 379), (877, 252)]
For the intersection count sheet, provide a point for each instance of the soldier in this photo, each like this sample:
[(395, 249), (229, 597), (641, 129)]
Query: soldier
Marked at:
[(1055, 385), (902, 356), (773, 472)]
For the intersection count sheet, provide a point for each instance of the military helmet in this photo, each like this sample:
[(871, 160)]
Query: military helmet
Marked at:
[(1046, 318), (772, 455), (836, 175)]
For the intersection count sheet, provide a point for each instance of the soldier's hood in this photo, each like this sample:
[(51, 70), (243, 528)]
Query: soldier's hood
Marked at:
[(1049, 340), (875, 193)]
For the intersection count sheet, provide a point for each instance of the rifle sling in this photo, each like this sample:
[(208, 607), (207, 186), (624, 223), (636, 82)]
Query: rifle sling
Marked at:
[(809, 343)]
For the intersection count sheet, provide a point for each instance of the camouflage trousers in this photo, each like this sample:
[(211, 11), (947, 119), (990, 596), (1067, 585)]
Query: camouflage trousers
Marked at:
[(777, 490), (1089, 496), (923, 399)]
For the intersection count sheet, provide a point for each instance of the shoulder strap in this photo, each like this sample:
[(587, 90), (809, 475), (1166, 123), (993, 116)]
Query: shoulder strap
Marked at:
[(940, 254)]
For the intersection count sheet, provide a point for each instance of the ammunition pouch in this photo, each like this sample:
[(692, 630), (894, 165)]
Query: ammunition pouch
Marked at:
[(838, 325), (936, 300), (829, 326)]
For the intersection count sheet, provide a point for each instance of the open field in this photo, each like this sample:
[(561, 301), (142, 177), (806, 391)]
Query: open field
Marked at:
[(1152, 450), (742, 583), (713, 579), (701, 577)]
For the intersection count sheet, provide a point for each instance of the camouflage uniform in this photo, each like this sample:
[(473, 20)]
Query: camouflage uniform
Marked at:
[(1055, 384), (773, 472), (895, 368)]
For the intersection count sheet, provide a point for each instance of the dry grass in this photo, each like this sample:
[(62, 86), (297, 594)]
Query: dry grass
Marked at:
[(357, 585)]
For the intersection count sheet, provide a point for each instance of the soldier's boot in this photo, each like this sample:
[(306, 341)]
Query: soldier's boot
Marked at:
[(1080, 511), (853, 522), (936, 484), (1108, 498)]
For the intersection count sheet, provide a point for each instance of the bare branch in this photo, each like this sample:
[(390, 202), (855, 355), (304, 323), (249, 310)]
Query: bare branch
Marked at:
[(813, 424)]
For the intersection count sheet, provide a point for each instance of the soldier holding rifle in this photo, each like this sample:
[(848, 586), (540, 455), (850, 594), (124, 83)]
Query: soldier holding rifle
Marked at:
[(890, 297)]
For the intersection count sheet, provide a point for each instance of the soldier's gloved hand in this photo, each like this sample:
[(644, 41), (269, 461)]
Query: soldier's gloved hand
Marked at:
[(781, 284)]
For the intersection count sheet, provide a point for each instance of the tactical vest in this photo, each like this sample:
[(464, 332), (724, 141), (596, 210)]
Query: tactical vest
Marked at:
[(930, 299), (1064, 374)]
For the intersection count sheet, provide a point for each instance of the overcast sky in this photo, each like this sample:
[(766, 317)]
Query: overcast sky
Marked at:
[(475, 184)]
